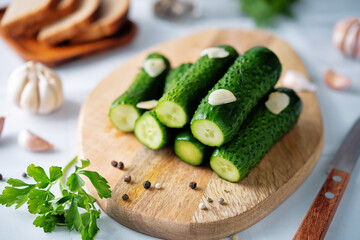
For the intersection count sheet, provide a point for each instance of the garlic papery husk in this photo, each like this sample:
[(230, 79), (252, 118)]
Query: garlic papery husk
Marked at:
[(215, 52), (32, 142), (277, 102), (346, 36), (336, 81), (2, 122), (148, 105), (36, 88), (297, 81), (220, 97), (154, 66)]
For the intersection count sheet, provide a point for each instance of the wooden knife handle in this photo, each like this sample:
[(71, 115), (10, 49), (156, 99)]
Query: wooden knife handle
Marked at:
[(318, 218)]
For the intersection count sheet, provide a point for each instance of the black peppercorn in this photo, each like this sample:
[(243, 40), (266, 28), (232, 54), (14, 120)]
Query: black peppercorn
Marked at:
[(192, 185), (147, 184), (24, 175), (127, 179), (1, 177), (114, 163), (121, 165), (125, 197)]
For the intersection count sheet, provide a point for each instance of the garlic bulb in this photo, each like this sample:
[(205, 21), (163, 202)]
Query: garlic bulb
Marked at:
[(35, 88), (346, 36)]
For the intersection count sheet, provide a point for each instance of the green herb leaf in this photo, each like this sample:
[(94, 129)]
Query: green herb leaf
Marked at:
[(40, 201), (18, 183), (85, 163), (12, 195), (55, 173), (49, 220), (72, 217), (99, 182), (75, 182), (39, 175)]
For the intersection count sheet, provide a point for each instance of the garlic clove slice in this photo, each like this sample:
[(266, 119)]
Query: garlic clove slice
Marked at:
[(336, 81), (220, 97), (215, 52), (2, 122), (154, 66), (296, 80), (47, 96), (30, 98), (147, 104), (277, 102), (31, 142), (340, 31)]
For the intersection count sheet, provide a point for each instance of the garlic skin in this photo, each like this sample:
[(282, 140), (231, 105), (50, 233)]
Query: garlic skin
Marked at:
[(2, 122), (154, 66), (148, 105), (277, 102), (346, 36), (336, 81), (36, 88), (297, 81), (32, 142), (215, 52), (220, 97)]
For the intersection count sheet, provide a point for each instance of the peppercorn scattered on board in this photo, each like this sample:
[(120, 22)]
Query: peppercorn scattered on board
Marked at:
[(175, 211)]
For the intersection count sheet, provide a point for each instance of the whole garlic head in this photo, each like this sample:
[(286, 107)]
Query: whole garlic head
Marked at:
[(346, 36), (36, 88)]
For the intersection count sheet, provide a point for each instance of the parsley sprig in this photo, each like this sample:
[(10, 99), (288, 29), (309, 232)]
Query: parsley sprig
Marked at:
[(74, 209)]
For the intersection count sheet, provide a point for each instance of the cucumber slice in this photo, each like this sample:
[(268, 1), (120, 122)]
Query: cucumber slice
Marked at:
[(261, 130), (189, 149), (225, 169), (123, 117), (208, 131), (144, 87), (150, 131), (191, 88), (171, 114), (250, 78)]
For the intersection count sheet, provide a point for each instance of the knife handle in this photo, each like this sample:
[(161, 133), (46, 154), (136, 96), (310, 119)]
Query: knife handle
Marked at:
[(318, 218)]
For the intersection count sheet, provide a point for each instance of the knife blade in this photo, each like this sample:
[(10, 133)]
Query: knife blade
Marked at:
[(317, 220)]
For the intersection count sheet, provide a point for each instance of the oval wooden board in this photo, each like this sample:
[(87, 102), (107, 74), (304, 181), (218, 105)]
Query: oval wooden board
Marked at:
[(173, 212)]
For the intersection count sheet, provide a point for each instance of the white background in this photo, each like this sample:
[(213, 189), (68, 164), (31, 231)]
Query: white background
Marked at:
[(310, 35)]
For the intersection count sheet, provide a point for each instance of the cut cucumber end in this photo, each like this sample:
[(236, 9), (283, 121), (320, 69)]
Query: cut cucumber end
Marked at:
[(123, 117), (188, 152), (171, 114), (225, 169), (207, 132), (148, 132)]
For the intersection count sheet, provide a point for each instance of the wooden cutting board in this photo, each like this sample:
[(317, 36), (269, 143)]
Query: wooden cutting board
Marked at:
[(32, 50), (173, 212)]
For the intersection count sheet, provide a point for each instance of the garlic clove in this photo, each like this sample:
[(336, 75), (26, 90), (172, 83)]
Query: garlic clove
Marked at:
[(350, 39), (215, 52), (147, 104), (31, 142), (47, 96), (340, 31), (2, 122), (154, 66), (17, 82), (29, 98), (296, 80), (336, 81), (357, 48), (277, 102), (220, 97)]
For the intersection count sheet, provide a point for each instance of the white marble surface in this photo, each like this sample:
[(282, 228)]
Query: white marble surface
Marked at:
[(309, 33)]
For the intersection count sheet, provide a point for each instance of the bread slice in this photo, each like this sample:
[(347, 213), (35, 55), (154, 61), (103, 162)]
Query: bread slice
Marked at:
[(112, 16), (21, 15), (68, 27)]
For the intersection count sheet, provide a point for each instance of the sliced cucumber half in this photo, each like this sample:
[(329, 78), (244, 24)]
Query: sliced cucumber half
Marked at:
[(188, 152), (150, 132), (225, 169), (207, 132), (171, 114), (123, 117)]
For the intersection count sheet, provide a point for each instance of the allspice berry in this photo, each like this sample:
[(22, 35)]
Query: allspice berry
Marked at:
[(1, 177), (127, 178), (192, 185), (125, 197), (114, 163), (121, 165)]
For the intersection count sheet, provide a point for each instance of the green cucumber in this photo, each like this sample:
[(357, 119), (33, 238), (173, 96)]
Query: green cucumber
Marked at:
[(250, 77), (176, 107), (123, 112), (260, 131), (189, 149), (148, 129)]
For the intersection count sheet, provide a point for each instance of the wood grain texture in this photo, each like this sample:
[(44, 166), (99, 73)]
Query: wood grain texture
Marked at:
[(31, 49), (318, 218), (173, 212)]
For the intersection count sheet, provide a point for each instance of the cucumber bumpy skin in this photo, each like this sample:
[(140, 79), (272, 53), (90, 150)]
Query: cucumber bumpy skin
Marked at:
[(250, 77), (176, 107), (261, 130), (123, 112), (189, 149), (148, 129)]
